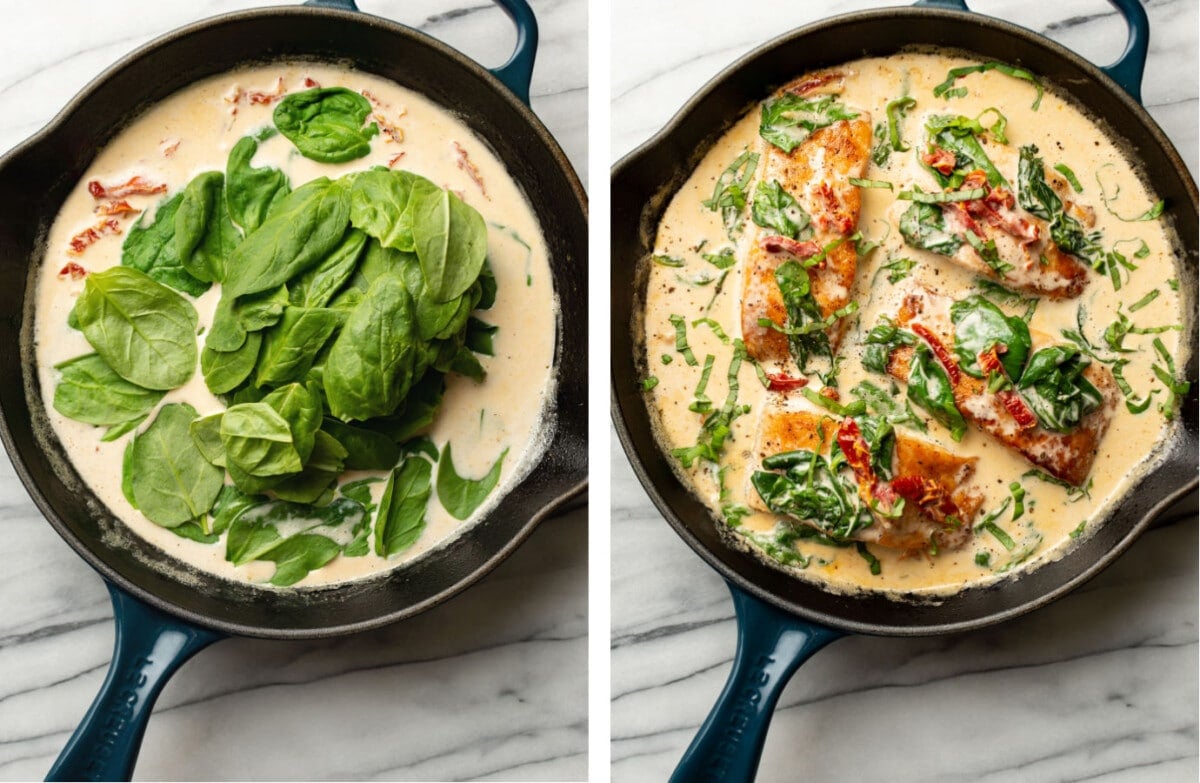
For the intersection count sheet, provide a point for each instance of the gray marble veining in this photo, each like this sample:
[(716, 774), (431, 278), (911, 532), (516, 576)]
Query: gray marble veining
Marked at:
[(490, 686), (1101, 685)]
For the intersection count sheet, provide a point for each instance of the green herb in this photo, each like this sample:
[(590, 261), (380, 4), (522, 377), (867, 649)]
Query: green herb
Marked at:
[(999, 534), (898, 269), (326, 124), (1038, 198), (734, 513), (716, 328), (716, 290), (929, 387), (924, 226), (666, 358), (461, 496), (945, 88), (1078, 531), (1065, 170), (896, 110), (997, 292), (980, 326), (802, 310), (702, 404), (365, 449), (872, 561), (988, 253), (1174, 283), (91, 392), (920, 197), (401, 515), (1134, 405), (983, 558), (1153, 213), (721, 260), (204, 234), (256, 535), (250, 193), (780, 545), (787, 121), (717, 425), (960, 136), (884, 405), (776, 209), (1145, 300), (1074, 493), (649, 383), (881, 341), (856, 408), (729, 193), (870, 183), (681, 343), (1054, 388), (151, 248), (143, 330), (807, 487), (168, 477), (667, 261), (881, 150), (1175, 388), (1018, 496)]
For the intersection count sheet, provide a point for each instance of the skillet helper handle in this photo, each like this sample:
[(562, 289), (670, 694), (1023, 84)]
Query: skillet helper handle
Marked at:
[(150, 646), (1128, 69), (517, 73), (771, 646)]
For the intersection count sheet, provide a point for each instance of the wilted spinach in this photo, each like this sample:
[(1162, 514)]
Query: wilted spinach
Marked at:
[(790, 119)]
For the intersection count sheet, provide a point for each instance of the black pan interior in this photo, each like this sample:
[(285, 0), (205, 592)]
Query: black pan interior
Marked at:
[(38, 177), (643, 183)]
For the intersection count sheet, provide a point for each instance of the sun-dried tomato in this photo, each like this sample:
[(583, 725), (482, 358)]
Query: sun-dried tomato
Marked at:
[(781, 382), (852, 443), (267, 98), (392, 161), (940, 160), (1020, 411), (814, 82), (89, 236), (72, 270), (464, 163), (778, 244), (115, 208), (940, 351), (134, 186), (835, 216)]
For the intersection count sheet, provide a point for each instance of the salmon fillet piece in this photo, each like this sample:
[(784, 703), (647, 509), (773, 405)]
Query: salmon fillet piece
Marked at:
[(947, 474), (816, 173), (1066, 456)]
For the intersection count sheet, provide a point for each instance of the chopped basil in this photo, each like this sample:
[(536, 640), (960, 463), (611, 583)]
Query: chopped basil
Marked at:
[(1018, 496), (717, 424), (1145, 300), (896, 110), (872, 561), (681, 343), (1168, 377), (1004, 539), (697, 280), (870, 183), (1065, 170), (983, 558), (947, 90), (1134, 405), (898, 269), (667, 358), (1078, 531), (884, 405), (1152, 213), (988, 253), (787, 121), (668, 261), (921, 197), (729, 193), (856, 408), (649, 383), (702, 404), (717, 290), (1074, 493), (722, 259), (716, 328)]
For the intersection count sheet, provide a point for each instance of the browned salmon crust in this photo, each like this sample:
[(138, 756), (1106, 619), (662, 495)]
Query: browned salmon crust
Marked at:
[(913, 531), (1067, 456), (834, 204)]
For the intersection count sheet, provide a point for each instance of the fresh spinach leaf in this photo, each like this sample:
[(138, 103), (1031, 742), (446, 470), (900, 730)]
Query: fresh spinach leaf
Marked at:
[(206, 434), (366, 449), (802, 311), (326, 124), (300, 406), (461, 496), (224, 371), (250, 193), (401, 515), (169, 479), (451, 242), (382, 202), (204, 235), (91, 392), (480, 335), (258, 442), (143, 330), (808, 488), (151, 248), (291, 346), (417, 411), (316, 286), (318, 481)]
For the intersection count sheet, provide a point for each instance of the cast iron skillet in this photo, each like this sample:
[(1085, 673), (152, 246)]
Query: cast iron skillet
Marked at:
[(166, 614), (781, 620)]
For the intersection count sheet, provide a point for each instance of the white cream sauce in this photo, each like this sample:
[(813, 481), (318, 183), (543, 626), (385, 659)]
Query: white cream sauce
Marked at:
[(1063, 134), (193, 131)]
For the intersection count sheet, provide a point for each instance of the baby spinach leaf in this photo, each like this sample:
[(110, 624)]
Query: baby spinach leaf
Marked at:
[(198, 530), (258, 441), (317, 482), (466, 363), (401, 515), (480, 334), (170, 479), (258, 311), (924, 226), (224, 371), (884, 338), (91, 392), (230, 504), (929, 387), (461, 496), (450, 238), (776, 209), (151, 249), (291, 346), (366, 449), (370, 366), (266, 532), (206, 434), (360, 491), (1054, 387), (980, 325), (325, 124), (790, 119), (127, 473), (295, 557), (381, 204), (317, 286), (250, 193), (204, 235), (418, 409), (302, 229), (300, 406), (144, 331)]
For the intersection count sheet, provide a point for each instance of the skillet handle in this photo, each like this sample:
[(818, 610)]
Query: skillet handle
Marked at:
[(771, 646), (1128, 69), (517, 73), (150, 645)]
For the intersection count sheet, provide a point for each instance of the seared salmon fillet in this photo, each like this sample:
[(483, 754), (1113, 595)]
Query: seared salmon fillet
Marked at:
[(1067, 456), (930, 478), (816, 173)]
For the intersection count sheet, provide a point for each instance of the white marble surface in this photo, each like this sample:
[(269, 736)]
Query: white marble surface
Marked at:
[(491, 685), (1102, 685)]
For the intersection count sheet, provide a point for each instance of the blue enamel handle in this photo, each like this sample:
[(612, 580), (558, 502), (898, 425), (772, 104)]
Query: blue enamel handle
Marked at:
[(1128, 69), (517, 73), (149, 648), (771, 646)]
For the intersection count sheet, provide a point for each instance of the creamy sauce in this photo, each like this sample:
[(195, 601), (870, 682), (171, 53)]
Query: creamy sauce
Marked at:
[(1051, 521), (193, 131)]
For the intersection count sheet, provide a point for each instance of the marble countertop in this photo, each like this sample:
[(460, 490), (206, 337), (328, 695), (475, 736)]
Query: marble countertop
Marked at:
[(490, 686), (1101, 685)]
